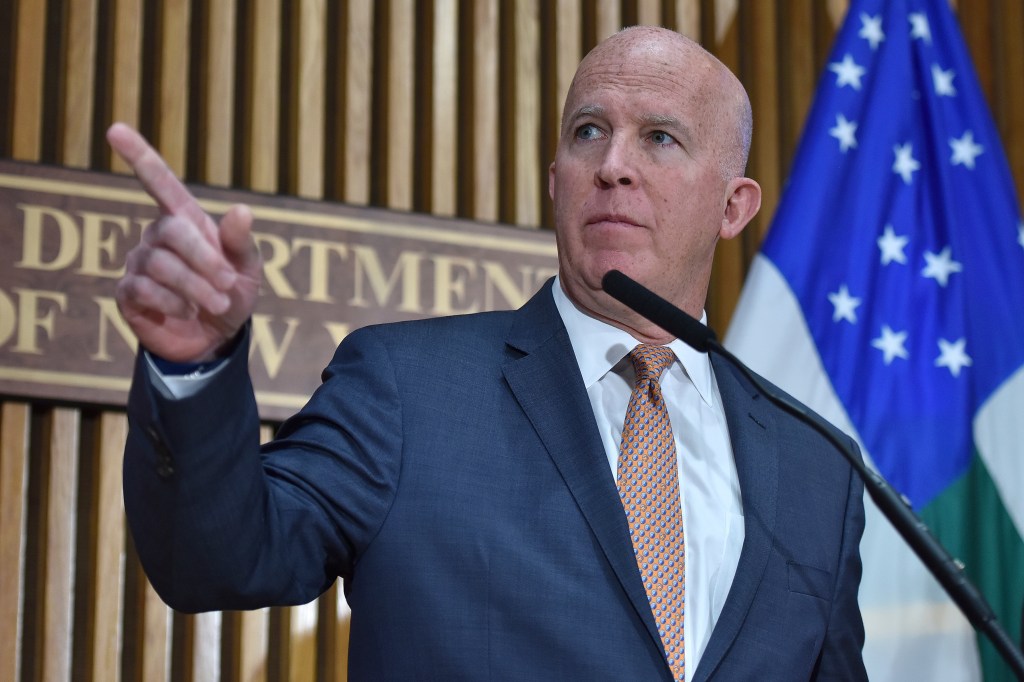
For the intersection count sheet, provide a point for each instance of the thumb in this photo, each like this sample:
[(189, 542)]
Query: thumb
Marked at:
[(236, 239)]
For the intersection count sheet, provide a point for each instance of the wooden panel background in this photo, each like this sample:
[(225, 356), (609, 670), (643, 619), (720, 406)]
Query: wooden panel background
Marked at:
[(447, 107)]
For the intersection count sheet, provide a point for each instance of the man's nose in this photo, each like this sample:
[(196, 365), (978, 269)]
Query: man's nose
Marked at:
[(618, 164)]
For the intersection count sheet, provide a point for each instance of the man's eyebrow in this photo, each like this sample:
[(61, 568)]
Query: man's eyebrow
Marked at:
[(595, 110), (598, 111), (683, 132), (662, 120)]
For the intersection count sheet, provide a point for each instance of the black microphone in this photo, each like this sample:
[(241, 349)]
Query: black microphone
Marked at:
[(656, 309), (947, 570)]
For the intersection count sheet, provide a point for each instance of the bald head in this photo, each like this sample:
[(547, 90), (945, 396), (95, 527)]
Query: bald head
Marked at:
[(721, 100)]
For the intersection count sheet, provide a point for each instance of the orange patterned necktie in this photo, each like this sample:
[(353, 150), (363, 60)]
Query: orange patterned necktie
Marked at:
[(648, 484)]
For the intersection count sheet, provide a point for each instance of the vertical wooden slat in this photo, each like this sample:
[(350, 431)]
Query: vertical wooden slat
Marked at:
[(244, 633), (761, 78), (29, 67), (14, 438), (293, 643), (1009, 114), (724, 41), (252, 657), (107, 531), (244, 646), (308, 148), (823, 34), (798, 79), (58, 560), (444, 135), (837, 10), (126, 69), (567, 50), (400, 136), (218, 92), (172, 118), (344, 616), (976, 22), (687, 18), (205, 649), (485, 93), (291, 635), (79, 82), (157, 633), (263, 108), (8, 42), (562, 42), (302, 622), (147, 626), (648, 12), (528, 175), (332, 640), (357, 87), (725, 22), (608, 18)]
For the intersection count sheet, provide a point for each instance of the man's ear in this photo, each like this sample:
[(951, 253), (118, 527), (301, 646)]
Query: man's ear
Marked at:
[(551, 181), (743, 200)]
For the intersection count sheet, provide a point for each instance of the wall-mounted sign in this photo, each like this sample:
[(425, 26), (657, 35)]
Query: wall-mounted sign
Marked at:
[(329, 268)]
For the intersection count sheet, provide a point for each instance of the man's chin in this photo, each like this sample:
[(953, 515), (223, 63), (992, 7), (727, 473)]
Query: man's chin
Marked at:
[(626, 266)]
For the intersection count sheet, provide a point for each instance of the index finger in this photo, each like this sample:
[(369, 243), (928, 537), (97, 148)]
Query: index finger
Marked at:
[(157, 178)]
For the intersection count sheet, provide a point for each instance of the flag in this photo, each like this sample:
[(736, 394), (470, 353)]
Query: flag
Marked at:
[(889, 297)]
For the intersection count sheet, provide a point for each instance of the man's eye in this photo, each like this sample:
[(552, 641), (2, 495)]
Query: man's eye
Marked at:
[(660, 137), (588, 131)]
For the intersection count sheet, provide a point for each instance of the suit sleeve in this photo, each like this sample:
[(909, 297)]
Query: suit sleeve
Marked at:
[(841, 656), (221, 523)]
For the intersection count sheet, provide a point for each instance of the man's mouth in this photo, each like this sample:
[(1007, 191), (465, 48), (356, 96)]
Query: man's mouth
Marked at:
[(613, 218)]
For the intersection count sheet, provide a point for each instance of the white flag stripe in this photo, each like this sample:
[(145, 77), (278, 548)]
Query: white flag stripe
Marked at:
[(1000, 447)]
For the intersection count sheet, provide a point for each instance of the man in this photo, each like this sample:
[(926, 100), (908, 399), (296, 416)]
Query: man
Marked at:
[(464, 475)]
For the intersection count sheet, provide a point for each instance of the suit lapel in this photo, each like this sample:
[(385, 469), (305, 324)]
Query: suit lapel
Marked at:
[(751, 425), (546, 381)]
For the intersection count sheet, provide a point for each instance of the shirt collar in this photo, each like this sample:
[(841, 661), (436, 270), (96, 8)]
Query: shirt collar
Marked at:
[(599, 346)]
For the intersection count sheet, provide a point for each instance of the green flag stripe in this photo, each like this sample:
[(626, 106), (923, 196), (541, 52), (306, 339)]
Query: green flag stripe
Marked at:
[(969, 519)]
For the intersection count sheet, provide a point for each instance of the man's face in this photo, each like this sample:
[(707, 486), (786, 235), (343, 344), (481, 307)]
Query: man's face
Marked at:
[(637, 181)]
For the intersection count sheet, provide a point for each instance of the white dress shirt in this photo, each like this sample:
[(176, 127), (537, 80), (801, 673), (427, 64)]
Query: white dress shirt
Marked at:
[(708, 483)]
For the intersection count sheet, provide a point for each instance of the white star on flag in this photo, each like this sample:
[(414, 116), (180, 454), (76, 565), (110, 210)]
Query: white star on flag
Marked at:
[(891, 246), (871, 29), (905, 163), (1020, 234), (848, 72), (943, 81), (940, 266), (952, 355), (845, 305), (891, 344), (844, 131), (965, 150), (919, 27)]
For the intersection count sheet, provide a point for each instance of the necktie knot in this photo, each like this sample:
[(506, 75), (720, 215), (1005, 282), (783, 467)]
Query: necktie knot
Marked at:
[(650, 361)]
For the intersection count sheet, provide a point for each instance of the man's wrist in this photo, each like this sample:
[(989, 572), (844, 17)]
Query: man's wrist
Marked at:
[(171, 368)]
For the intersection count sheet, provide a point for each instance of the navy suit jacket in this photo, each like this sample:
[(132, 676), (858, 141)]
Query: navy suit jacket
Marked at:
[(450, 470)]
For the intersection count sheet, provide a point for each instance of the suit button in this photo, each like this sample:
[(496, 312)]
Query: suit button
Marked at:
[(165, 463)]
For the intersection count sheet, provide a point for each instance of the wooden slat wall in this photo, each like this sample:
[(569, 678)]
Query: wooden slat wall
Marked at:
[(441, 106)]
